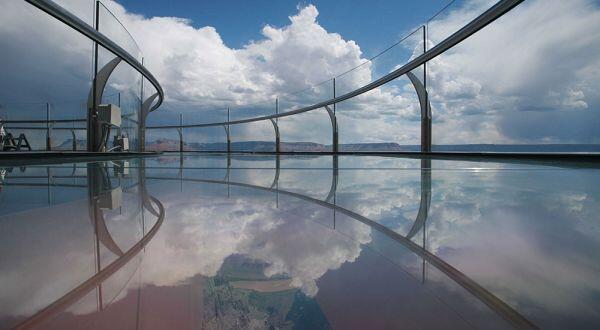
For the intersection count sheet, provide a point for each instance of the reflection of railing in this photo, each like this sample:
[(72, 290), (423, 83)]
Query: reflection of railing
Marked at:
[(95, 130), (478, 291), (493, 13), (329, 202), (97, 181)]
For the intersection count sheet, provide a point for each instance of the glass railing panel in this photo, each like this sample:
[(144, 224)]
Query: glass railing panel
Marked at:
[(162, 139), (69, 132), (83, 9), (110, 25), (452, 17), (47, 70), (123, 89), (251, 110), (254, 136), (205, 139), (306, 96), (523, 84), (386, 118), (310, 131), (382, 63)]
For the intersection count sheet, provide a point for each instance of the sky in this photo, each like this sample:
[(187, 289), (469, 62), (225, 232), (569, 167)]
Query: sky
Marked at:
[(529, 77), (374, 24)]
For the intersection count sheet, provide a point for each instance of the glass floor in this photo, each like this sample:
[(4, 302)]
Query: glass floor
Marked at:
[(308, 242)]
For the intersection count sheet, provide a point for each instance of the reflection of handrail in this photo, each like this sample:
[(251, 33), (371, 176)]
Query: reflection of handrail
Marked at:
[(490, 15), (485, 296), (85, 287), (425, 199), (82, 27)]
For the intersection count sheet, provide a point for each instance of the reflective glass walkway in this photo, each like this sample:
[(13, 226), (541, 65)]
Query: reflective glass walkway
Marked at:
[(243, 241)]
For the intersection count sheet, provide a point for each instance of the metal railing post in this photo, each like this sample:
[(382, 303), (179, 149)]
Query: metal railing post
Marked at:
[(425, 115), (48, 131), (142, 121), (277, 141), (74, 140), (228, 133), (334, 129), (180, 131), (335, 146), (276, 125)]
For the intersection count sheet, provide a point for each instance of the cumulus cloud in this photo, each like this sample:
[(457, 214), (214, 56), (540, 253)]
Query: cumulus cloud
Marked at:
[(540, 58)]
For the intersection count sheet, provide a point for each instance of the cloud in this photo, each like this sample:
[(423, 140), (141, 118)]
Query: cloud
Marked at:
[(540, 58)]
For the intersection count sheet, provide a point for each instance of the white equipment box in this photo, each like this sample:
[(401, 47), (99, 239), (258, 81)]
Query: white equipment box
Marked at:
[(110, 114)]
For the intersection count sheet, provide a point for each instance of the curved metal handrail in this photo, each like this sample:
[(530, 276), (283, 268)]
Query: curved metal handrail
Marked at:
[(490, 15), (82, 27)]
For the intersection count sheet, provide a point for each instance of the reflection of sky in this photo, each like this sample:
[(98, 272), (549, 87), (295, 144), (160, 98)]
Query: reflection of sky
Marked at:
[(527, 233)]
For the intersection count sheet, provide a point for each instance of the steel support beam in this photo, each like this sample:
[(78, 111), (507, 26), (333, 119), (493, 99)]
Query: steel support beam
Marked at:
[(277, 140), (226, 128), (334, 129), (180, 132), (144, 111), (425, 112), (74, 140), (334, 180)]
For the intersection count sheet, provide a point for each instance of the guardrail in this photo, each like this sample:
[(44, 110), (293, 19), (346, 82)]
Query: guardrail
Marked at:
[(100, 77), (489, 16)]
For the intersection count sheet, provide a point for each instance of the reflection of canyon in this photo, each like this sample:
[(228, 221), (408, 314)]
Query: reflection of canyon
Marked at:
[(250, 246)]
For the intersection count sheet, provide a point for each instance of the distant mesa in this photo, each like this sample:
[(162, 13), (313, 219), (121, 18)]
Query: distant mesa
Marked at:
[(265, 146), (269, 146)]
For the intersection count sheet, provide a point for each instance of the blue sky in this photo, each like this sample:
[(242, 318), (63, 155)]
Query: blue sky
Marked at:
[(374, 25), (529, 77)]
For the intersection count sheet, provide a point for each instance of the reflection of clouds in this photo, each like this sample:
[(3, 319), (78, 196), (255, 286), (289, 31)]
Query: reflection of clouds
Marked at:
[(306, 251), (37, 247), (196, 239), (530, 244)]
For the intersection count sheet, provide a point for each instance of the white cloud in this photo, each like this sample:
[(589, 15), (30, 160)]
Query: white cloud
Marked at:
[(541, 57)]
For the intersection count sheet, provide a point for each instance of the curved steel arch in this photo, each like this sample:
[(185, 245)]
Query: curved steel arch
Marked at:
[(277, 139), (425, 111)]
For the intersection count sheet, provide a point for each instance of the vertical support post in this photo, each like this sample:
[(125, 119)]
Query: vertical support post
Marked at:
[(228, 133), (49, 174), (180, 130), (335, 178), (93, 134), (335, 147), (141, 117), (426, 195), (334, 129), (277, 140), (276, 123), (228, 174), (426, 114), (74, 140), (48, 133), (119, 105), (277, 170)]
